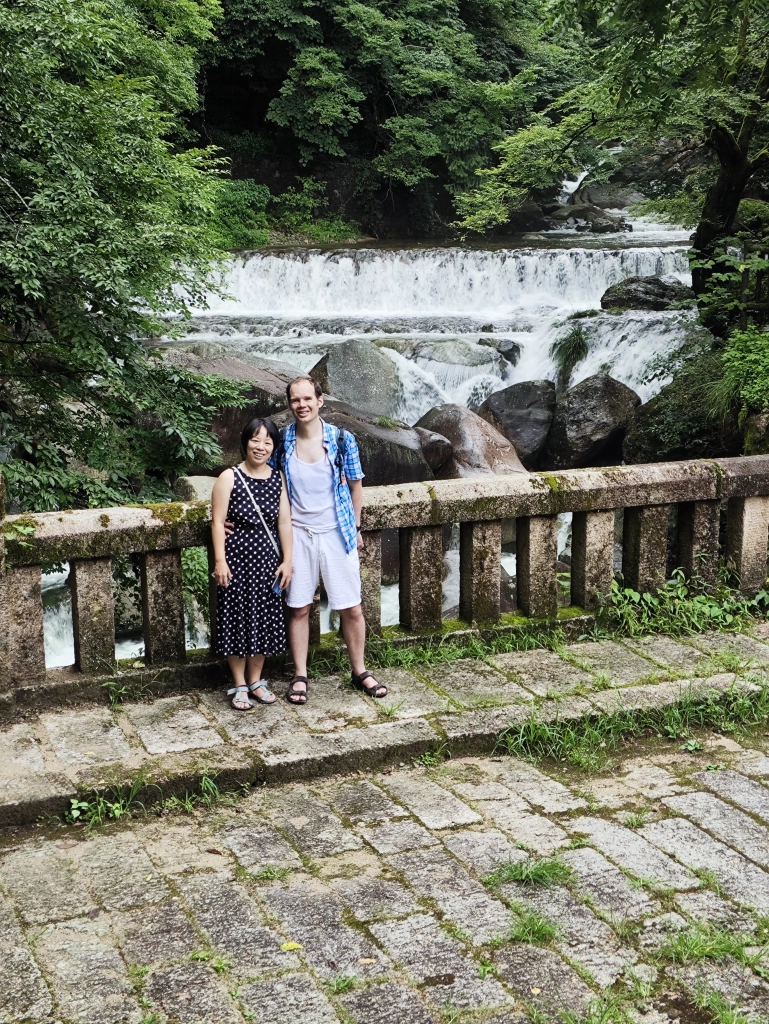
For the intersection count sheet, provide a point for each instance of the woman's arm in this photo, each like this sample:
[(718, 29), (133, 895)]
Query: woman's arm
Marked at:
[(286, 534), (220, 500)]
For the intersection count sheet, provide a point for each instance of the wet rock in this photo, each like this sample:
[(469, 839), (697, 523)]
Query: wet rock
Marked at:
[(589, 423), (507, 347), (358, 372), (611, 196), (479, 449), (524, 414), (436, 448), (584, 217), (647, 293)]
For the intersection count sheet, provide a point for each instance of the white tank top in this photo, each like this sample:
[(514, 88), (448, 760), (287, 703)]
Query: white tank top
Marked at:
[(312, 492)]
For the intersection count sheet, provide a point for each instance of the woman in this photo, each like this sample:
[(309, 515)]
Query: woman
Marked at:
[(253, 565)]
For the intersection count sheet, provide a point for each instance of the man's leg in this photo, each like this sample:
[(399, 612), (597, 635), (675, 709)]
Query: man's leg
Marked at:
[(354, 633), (299, 639)]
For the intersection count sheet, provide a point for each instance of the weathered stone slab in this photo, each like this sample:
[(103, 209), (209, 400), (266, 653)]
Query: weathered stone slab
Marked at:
[(746, 647), (86, 974), (362, 801), (668, 653), (333, 706), (434, 806), (44, 885), (481, 852), (631, 851), (650, 780), (608, 888), (648, 695), (155, 934), (735, 982), (172, 723), (748, 794), (536, 787), (530, 830), (741, 880), (312, 827), (250, 731), (469, 683), (23, 993), (190, 994), (86, 737), (482, 790), (259, 846), (615, 661), (725, 823), (23, 799), (542, 672), (409, 695), (438, 963), (22, 751), (120, 873), (373, 899), (539, 976), (708, 909), (387, 1004), (292, 997), (397, 836), (478, 731)]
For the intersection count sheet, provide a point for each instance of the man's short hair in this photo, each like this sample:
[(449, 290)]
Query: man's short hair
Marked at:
[(309, 380)]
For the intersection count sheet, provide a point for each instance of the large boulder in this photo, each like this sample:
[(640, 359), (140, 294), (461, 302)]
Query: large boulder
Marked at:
[(436, 448), (583, 217), (647, 293), (358, 372), (478, 449), (609, 196), (524, 414), (589, 423)]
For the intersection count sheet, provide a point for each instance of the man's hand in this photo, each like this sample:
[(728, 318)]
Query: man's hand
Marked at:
[(229, 529)]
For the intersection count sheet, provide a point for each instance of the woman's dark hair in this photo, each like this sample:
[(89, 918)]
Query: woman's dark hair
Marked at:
[(254, 427)]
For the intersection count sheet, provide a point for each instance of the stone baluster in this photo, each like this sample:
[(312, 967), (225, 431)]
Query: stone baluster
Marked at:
[(212, 592), (480, 548), (645, 547), (163, 607), (592, 557), (371, 581), (747, 528), (25, 651), (698, 523), (536, 555), (93, 614), (421, 577)]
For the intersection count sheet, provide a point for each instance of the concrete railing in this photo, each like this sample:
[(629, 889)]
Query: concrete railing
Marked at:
[(699, 490)]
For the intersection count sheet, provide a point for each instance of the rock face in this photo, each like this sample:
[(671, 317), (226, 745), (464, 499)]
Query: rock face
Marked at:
[(589, 423), (612, 196), (524, 414), (436, 448), (194, 488), (359, 373), (584, 217), (647, 293), (479, 449)]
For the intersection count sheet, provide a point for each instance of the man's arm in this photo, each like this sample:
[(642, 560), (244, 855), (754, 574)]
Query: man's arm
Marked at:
[(354, 474)]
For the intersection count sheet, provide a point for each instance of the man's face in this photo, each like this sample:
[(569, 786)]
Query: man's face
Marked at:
[(304, 403)]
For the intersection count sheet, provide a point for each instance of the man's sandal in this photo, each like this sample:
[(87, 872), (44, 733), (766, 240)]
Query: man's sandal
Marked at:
[(240, 700), (261, 684), (373, 689), (295, 696)]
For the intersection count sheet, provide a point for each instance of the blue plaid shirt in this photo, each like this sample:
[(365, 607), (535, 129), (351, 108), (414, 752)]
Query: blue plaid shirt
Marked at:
[(352, 470)]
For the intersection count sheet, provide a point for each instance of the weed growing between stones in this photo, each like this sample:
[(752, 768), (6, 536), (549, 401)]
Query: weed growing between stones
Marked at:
[(97, 808), (432, 758), (635, 819), (271, 873), (531, 927), (546, 872), (342, 983), (706, 942), (721, 1010), (608, 1009)]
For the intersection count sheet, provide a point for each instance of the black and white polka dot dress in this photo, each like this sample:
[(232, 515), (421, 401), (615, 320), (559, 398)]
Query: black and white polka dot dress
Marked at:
[(249, 615)]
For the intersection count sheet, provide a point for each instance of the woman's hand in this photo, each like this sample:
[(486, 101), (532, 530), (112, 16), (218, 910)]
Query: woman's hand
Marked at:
[(283, 574), (222, 574)]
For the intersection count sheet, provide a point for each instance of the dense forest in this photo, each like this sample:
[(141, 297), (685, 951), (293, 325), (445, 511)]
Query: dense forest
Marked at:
[(140, 140)]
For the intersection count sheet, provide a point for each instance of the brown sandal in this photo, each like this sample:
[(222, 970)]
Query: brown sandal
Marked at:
[(373, 689), (295, 696)]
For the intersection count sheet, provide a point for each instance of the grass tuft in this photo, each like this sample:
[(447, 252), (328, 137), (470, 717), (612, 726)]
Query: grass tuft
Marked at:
[(342, 983), (546, 873), (532, 927), (706, 942)]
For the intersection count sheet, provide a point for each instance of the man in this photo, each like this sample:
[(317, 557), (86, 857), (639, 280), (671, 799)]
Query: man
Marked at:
[(326, 495)]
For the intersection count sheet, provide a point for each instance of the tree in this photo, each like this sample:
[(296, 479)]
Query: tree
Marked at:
[(103, 235)]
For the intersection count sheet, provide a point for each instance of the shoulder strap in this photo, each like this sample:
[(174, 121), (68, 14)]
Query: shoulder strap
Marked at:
[(255, 503), (341, 449)]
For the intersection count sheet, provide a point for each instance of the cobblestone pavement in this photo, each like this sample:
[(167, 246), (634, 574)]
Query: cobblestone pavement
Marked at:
[(362, 899)]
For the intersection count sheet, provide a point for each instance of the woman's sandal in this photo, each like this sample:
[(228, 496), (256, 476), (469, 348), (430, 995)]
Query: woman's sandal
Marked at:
[(261, 684), (295, 696), (370, 691), (240, 700)]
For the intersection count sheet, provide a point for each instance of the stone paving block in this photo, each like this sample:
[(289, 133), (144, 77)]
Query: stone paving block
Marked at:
[(738, 877), (725, 823), (610, 793), (638, 698), (622, 666), (191, 994), (472, 731), (487, 790), (374, 899), (434, 806), (745, 647), (362, 801), (311, 826), (22, 751), (582, 937), (44, 885), (608, 888), (333, 706), (630, 850), (468, 682), (543, 672), (387, 1004), (259, 845), (398, 836), (752, 762), (481, 852), (707, 908), (738, 984), (87, 736), (156, 934), (650, 780), (314, 919), (87, 976), (530, 830), (409, 695), (438, 963), (292, 997), (233, 922), (23, 993), (657, 930), (463, 900), (252, 730), (172, 723), (539, 976), (179, 846), (669, 653), (748, 794), (120, 873), (536, 787), (25, 798)]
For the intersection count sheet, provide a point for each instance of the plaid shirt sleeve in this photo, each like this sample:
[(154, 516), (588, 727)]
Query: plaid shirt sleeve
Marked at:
[(353, 470)]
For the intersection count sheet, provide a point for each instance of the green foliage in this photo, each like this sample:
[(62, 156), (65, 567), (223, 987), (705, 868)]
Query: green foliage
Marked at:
[(568, 350), (195, 582), (545, 872), (744, 387), (706, 942), (529, 926), (240, 215), (97, 808)]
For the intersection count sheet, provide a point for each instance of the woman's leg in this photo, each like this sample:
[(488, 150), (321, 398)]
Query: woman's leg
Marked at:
[(238, 669), (254, 667)]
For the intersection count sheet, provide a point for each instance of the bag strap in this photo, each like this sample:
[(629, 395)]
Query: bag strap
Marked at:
[(255, 503), (341, 452)]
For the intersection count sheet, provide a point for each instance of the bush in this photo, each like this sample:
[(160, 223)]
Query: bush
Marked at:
[(239, 218)]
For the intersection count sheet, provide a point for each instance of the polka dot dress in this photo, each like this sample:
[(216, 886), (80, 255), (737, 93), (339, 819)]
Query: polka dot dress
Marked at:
[(249, 615)]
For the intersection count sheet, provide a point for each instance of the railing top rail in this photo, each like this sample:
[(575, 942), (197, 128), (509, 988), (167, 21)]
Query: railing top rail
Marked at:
[(95, 533)]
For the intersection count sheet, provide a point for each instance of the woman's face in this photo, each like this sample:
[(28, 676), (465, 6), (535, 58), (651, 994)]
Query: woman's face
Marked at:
[(260, 448)]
